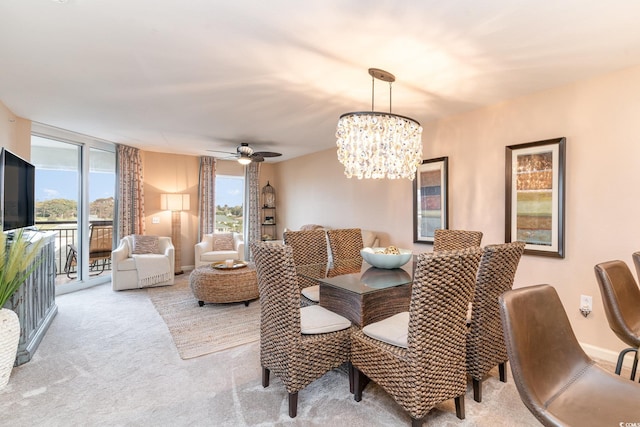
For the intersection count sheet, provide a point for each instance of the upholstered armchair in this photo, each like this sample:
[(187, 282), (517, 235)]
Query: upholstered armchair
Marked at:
[(219, 247), (142, 261)]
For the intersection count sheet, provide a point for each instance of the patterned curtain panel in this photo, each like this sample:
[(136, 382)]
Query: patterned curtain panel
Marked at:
[(252, 204), (130, 192), (207, 195)]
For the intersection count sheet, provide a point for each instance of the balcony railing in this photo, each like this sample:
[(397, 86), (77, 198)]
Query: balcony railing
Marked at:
[(66, 241)]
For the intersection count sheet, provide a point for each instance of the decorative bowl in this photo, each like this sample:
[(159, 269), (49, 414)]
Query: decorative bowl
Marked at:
[(377, 258)]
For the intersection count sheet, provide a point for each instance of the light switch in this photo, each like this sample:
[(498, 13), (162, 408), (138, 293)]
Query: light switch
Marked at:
[(155, 220)]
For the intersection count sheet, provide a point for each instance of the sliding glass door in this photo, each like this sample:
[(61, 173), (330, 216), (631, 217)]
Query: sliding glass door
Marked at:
[(75, 188)]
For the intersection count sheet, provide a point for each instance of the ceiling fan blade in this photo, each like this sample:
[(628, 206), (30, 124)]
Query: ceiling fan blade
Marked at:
[(255, 157), (266, 154), (223, 152)]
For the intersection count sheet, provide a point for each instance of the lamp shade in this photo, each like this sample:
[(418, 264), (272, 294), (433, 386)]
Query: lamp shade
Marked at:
[(174, 202)]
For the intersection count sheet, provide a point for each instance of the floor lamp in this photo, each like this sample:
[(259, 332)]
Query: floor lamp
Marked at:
[(176, 203)]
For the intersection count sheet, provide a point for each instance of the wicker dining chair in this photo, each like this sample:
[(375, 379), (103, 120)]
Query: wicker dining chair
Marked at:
[(298, 344), (345, 243), (485, 340), (309, 247), (428, 366), (451, 240)]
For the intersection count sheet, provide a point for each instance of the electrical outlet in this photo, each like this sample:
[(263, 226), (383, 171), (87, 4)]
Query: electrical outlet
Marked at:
[(586, 302), (155, 220)]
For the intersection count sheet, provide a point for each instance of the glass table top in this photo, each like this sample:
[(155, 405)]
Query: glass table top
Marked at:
[(357, 276)]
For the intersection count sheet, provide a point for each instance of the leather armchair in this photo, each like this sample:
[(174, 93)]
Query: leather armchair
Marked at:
[(557, 381)]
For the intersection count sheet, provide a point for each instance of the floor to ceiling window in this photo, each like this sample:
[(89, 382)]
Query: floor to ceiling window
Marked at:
[(75, 188)]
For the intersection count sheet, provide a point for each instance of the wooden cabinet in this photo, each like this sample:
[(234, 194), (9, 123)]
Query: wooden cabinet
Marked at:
[(35, 301)]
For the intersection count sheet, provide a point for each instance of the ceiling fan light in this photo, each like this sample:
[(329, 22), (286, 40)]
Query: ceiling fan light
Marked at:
[(244, 159)]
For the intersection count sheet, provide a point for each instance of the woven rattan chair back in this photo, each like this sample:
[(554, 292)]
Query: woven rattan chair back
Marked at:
[(294, 358), (431, 369), (345, 243), (485, 340), (309, 247), (452, 240)]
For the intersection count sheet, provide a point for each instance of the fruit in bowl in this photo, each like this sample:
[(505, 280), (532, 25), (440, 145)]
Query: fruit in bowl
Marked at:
[(390, 257)]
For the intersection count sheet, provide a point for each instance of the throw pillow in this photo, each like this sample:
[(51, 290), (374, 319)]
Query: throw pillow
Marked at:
[(223, 241), (145, 244)]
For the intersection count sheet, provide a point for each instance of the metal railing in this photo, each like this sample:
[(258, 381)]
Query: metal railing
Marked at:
[(66, 241)]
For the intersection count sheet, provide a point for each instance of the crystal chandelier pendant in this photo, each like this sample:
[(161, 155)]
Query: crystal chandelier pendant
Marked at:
[(375, 145)]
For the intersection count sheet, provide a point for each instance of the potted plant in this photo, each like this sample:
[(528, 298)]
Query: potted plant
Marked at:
[(17, 262)]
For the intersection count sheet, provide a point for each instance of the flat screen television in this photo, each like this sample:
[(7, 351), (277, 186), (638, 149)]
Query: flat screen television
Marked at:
[(18, 191)]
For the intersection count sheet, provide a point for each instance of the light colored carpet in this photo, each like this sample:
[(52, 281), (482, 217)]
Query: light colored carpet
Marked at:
[(196, 330), (108, 360)]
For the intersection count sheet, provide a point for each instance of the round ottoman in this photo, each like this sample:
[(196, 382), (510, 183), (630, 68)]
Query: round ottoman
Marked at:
[(221, 286)]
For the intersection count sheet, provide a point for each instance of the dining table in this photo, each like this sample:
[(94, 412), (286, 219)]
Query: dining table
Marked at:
[(361, 292)]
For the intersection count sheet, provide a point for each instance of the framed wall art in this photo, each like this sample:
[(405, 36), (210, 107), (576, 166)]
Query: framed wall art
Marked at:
[(430, 201), (535, 196)]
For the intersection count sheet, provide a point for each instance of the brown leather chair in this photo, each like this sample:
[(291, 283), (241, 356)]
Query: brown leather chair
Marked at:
[(621, 299), (557, 381)]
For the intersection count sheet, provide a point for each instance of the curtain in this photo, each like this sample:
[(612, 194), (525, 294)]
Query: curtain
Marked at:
[(130, 191), (207, 196), (252, 207)]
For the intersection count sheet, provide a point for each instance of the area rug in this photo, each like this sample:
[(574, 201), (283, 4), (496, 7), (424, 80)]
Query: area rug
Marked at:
[(196, 330)]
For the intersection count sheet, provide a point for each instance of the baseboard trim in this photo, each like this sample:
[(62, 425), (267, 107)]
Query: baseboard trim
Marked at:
[(606, 355)]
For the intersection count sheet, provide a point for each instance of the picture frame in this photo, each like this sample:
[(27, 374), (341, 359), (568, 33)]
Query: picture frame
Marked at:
[(430, 199), (535, 196)]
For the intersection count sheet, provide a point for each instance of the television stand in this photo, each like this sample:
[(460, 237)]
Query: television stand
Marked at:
[(34, 302)]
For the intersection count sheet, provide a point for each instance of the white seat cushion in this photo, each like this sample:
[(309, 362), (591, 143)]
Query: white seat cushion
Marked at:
[(318, 320), (218, 256), (312, 293), (392, 330)]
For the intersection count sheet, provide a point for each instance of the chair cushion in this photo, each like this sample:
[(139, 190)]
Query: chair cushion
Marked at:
[(218, 256), (318, 320), (145, 244), (312, 293), (392, 330), (310, 227), (368, 238), (223, 241)]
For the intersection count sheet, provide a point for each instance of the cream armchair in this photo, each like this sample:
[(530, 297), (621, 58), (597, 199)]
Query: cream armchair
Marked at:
[(134, 266), (219, 247)]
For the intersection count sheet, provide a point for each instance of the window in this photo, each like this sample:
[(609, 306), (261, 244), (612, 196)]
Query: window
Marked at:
[(229, 203)]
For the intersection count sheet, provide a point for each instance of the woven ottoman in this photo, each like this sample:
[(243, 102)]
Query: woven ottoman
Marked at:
[(222, 286)]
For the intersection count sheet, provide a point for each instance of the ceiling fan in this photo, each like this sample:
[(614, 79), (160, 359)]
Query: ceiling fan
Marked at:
[(245, 154)]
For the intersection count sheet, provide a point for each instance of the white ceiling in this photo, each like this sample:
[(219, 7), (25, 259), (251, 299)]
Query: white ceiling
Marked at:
[(192, 75)]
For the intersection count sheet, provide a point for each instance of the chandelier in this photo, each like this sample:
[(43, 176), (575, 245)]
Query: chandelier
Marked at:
[(376, 145)]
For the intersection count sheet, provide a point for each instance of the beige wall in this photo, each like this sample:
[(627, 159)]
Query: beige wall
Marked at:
[(172, 173), (599, 119), (15, 133)]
